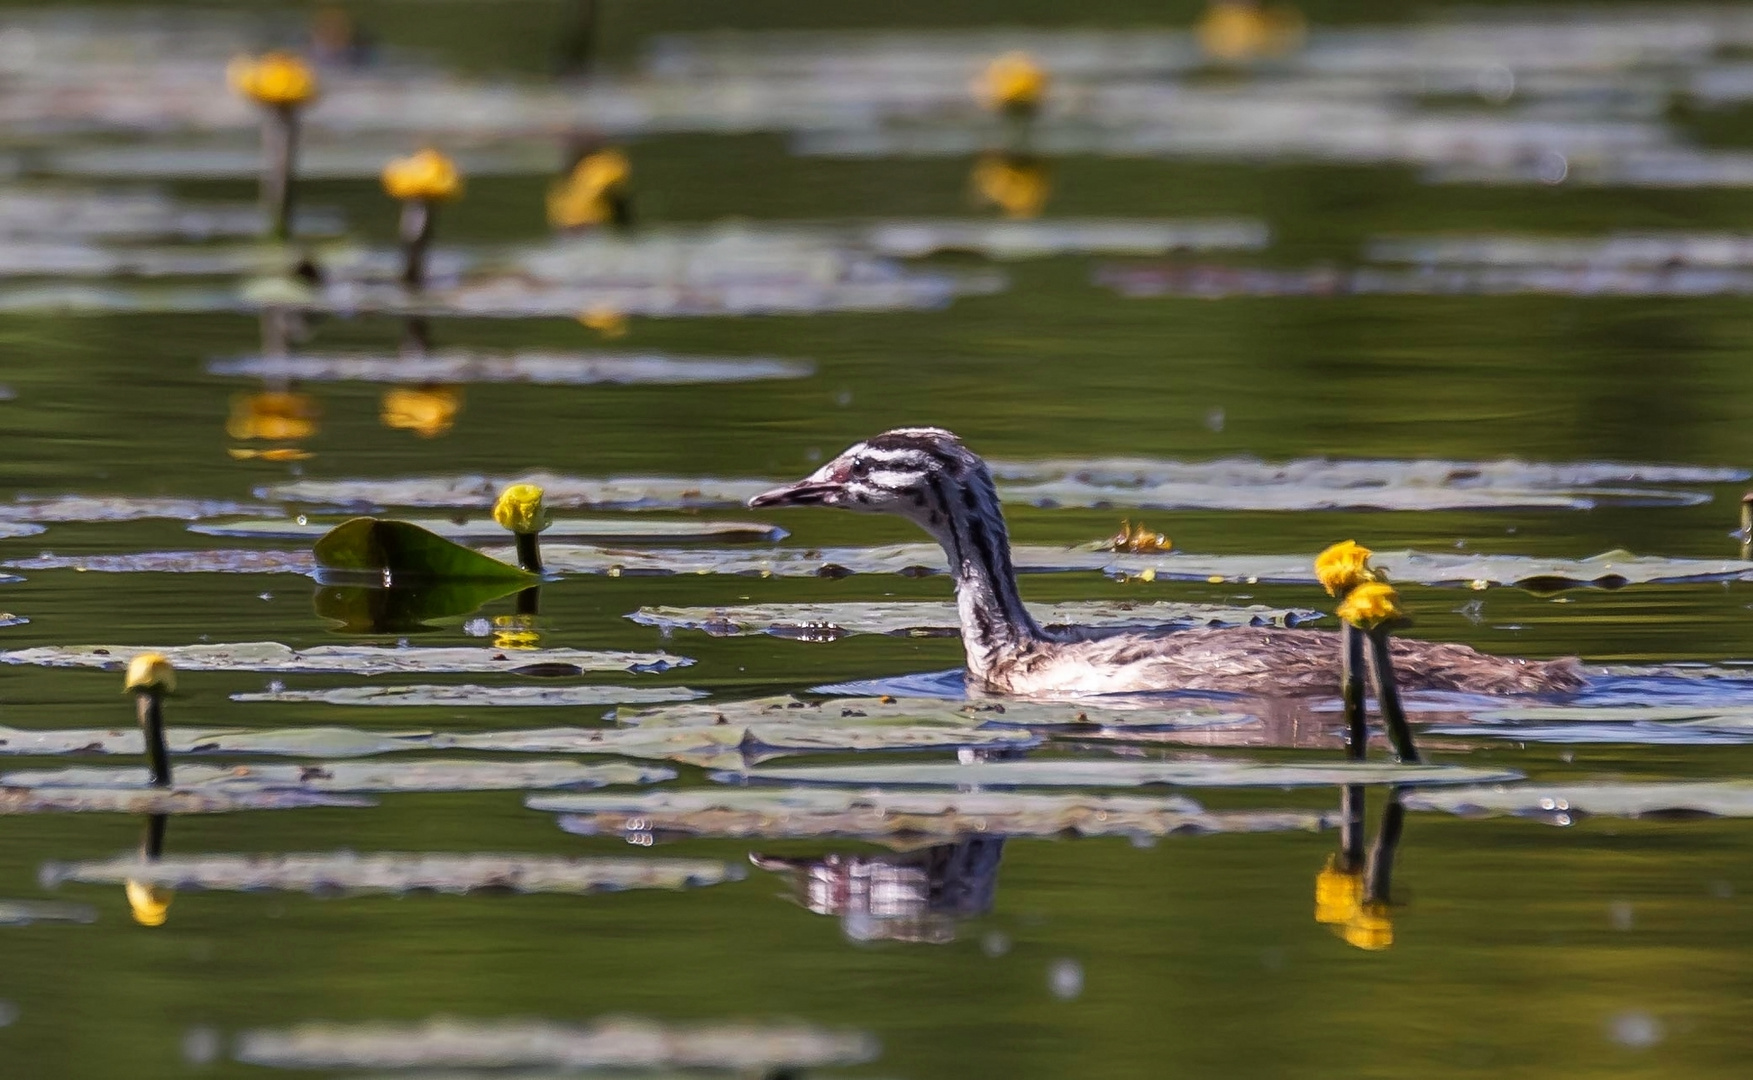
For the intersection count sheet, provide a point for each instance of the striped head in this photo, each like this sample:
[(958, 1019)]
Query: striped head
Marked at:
[(923, 474)]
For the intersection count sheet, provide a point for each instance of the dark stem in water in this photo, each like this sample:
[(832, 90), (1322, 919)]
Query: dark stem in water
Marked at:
[(576, 53), (529, 552), (150, 711), (1378, 878), (1351, 670), (416, 338), (152, 839), (529, 601), (1747, 526), (1351, 808), (1388, 696), (417, 220), (279, 163)]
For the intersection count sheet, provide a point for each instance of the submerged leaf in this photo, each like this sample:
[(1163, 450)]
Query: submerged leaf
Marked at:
[(825, 622), (1563, 802), (453, 366), (352, 777), (465, 694), (401, 551), (1103, 773), (627, 530), (324, 874), (776, 813), (1142, 712), (347, 659), (621, 1043)]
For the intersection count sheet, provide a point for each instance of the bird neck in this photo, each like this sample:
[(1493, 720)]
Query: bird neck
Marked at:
[(995, 624)]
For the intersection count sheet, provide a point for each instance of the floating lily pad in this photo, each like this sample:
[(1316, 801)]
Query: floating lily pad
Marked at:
[(400, 551), (235, 561), (464, 694), (72, 508), (150, 800), (777, 813), (1647, 249), (348, 659), (140, 214), (627, 529), (348, 872), (954, 712), (622, 1043), (1672, 725), (450, 366), (9, 619), (1218, 282), (292, 742), (825, 622), (12, 530), (1564, 802), (353, 777), (1063, 236), (1101, 773), (734, 746), (559, 492), (33, 912)]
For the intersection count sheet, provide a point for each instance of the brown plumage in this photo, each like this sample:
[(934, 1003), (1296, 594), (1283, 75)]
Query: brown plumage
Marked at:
[(927, 476)]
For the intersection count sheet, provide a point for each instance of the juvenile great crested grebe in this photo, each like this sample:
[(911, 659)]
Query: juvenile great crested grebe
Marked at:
[(927, 476)]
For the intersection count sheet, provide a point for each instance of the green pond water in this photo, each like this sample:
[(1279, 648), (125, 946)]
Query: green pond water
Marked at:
[(1604, 948)]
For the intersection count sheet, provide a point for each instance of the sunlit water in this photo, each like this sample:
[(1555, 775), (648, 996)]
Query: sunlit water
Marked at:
[(1599, 947)]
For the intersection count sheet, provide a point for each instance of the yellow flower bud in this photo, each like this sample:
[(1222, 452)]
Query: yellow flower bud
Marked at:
[(275, 78), (1338, 893), (520, 509), (1370, 605), (1014, 82), (1372, 928), (150, 904), (428, 175), (1343, 567), (151, 671), (584, 197), (427, 411)]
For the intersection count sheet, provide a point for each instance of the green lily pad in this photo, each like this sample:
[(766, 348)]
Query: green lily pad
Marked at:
[(452, 366), (60, 212), (33, 912), (1563, 802), (734, 746), (627, 530), (826, 622), (12, 530), (399, 551), (327, 873), (370, 609), (348, 659), (1672, 725), (1063, 236), (616, 1044), (291, 742), (1102, 773), (239, 561), (785, 813), (451, 695), (953, 712), (151, 800), (354, 777), (104, 508), (558, 492)]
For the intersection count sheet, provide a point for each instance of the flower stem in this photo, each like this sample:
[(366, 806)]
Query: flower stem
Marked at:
[(1351, 808), (416, 230), (279, 165), (1388, 696), (149, 708), (529, 552), (1351, 690)]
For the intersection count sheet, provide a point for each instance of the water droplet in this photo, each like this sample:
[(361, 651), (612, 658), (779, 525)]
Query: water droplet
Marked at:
[(1214, 418), (478, 627), (200, 1046), (1636, 1029)]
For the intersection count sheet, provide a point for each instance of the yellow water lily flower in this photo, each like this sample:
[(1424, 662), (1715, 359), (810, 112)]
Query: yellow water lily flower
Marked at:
[(1018, 186), (151, 671), (1343, 567), (520, 509), (150, 904), (428, 176), (273, 416), (593, 193), (1338, 893), (1240, 30), (1137, 540), (516, 632), (427, 411), (1372, 928), (1369, 605), (279, 79), (1015, 82), (607, 321)]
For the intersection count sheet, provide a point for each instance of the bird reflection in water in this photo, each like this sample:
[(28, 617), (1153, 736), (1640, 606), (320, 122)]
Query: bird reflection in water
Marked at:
[(1352, 892), (903, 896)]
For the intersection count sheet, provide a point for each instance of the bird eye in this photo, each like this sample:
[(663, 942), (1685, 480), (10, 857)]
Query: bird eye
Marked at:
[(859, 470)]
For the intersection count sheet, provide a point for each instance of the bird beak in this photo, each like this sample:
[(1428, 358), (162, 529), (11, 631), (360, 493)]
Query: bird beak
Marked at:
[(808, 492)]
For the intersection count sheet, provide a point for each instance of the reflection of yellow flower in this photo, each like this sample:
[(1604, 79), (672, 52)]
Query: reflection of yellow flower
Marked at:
[(1370, 604), (427, 411), (273, 416), (273, 453), (1343, 567), (428, 176), (1016, 185), (1236, 30), (151, 671), (516, 632), (275, 78), (1372, 928), (1338, 893), (606, 321), (1138, 540), (520, 509), (593, 193), (149, 903), (1014, 82)]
